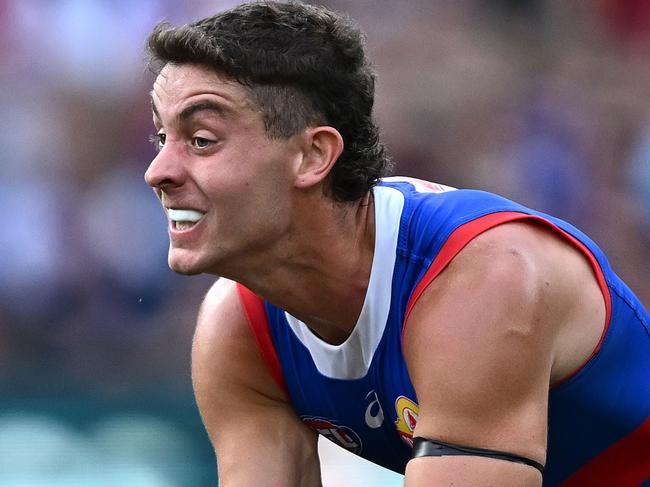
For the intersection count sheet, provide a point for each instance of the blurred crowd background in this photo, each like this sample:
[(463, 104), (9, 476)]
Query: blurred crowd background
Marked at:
[(543, 101)]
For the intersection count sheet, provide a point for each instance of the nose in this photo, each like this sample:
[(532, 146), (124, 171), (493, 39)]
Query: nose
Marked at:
[(164, 171)]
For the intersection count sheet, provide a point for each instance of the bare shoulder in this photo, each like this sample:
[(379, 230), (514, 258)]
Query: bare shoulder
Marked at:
[(528, 265), (258, 438), (507, 268), (482, 341), (492, 293), (539, 265), (224, 352)]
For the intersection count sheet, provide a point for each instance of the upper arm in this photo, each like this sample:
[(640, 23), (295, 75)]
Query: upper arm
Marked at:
[(258, 438), (479, 350)]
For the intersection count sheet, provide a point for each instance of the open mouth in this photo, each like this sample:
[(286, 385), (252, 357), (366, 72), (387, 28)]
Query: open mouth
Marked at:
[(183, 219)]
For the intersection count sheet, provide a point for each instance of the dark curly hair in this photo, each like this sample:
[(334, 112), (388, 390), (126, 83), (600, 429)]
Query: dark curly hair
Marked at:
[(303, 66)]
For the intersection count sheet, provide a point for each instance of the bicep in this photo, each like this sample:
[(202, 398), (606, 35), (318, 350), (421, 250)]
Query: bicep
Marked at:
[(258, 439), (480, 360)]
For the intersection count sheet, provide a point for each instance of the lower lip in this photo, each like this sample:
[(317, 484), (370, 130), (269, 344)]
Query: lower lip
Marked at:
[(186, 232)]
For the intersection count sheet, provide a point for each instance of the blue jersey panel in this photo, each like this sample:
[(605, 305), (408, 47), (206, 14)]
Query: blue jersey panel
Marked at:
[(356, 414)]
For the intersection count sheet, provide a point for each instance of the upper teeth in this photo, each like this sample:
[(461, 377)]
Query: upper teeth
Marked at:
[(184, 215)]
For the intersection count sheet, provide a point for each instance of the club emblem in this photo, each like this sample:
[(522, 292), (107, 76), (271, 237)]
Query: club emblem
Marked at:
[(407, 418)]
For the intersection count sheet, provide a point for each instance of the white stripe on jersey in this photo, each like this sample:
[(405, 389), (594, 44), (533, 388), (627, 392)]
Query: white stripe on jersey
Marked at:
[(352, 358)]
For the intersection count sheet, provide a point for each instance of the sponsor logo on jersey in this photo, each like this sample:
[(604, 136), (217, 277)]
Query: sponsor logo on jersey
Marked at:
[(407, 418), (374, 414), (341, 435)]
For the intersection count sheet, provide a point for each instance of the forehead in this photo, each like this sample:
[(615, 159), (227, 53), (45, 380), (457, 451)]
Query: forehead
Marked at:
[(179, 85)]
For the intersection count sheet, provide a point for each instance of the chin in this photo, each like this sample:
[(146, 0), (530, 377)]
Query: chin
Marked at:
[(185, 271), (190, 262), (184, 264)]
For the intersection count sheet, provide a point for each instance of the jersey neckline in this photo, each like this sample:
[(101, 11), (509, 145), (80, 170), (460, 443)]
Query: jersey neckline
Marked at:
[(352, 358)]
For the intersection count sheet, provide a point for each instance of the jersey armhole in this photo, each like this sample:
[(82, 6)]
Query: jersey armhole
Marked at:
[(470, 230), (259, 325)]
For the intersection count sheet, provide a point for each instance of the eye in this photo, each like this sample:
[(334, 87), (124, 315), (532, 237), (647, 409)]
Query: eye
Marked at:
[(201, 143), (158, 140)]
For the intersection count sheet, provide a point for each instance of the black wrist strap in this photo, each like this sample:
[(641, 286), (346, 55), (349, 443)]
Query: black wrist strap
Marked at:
[(423, 447)]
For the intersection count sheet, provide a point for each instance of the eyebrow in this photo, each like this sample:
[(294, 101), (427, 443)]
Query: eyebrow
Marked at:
[(191, 110), (201, 106)]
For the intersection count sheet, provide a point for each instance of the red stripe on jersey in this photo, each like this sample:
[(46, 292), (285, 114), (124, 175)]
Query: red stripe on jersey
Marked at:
[(467, 232), (259, 325), (626, 463)]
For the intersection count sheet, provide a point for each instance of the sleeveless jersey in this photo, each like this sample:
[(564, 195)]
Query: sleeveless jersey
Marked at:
[(359, 394)]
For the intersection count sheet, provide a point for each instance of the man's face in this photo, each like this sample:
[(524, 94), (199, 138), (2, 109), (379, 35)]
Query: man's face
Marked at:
[(223, 182)]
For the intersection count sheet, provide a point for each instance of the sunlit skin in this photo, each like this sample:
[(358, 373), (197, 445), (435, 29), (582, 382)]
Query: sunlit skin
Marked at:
[(264, 222), (214, 157)]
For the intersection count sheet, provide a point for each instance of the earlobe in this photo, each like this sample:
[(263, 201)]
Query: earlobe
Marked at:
[(322, 147)]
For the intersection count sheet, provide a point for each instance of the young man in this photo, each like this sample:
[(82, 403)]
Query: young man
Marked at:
[(451, 335)]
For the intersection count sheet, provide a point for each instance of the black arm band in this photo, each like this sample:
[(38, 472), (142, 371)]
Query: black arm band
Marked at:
[(423, 447)]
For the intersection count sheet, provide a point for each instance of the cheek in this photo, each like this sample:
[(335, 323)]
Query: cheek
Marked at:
[(220, 182), (259, 176), (265, 206)]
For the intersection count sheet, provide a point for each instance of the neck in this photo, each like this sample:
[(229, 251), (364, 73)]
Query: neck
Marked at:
[(319, 271)]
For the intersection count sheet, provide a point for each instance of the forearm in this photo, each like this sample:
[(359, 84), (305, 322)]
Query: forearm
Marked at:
[(268, 447), (270, 466)]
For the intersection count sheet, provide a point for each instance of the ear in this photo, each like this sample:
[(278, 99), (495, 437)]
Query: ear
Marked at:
[(322, 146)]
